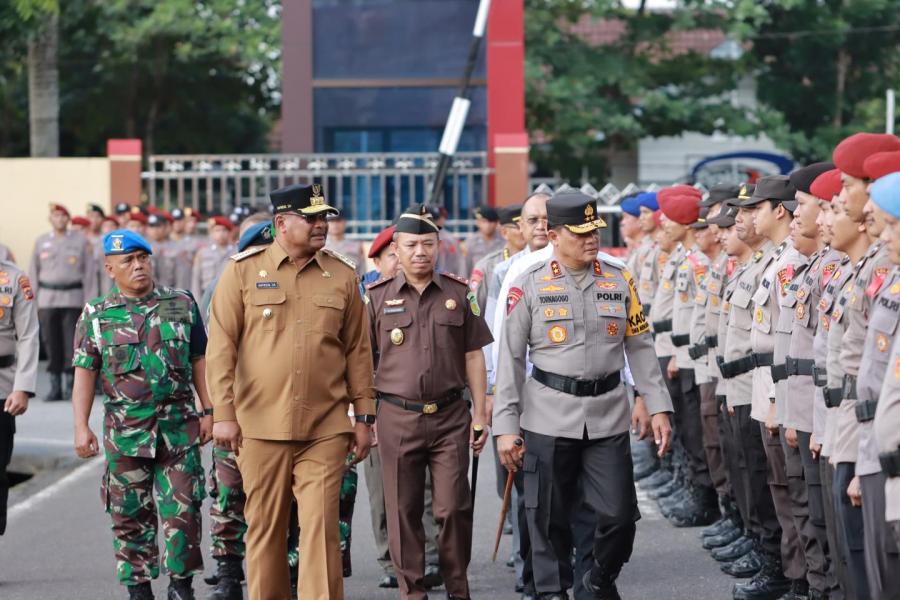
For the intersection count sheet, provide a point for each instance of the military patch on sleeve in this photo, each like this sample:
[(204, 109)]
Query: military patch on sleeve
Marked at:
[(477, 276), (637, 322), (515, 294), (473, 303), (25, 286)]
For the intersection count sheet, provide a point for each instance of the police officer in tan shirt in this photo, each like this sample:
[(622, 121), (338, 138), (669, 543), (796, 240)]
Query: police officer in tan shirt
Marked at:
[(289, 353)]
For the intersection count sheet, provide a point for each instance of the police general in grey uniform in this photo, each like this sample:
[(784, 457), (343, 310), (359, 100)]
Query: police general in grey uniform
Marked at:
[(576, 319), (18, 362)]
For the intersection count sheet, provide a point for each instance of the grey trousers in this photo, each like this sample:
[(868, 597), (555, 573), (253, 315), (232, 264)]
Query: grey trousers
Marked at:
[(882, 554), (375, 483)]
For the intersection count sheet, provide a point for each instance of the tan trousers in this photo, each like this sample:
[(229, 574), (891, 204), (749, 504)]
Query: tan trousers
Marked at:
[(274, 472)]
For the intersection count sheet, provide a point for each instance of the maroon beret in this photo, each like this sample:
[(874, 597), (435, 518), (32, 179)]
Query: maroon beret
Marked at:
[(381, 241), (220, 220), (827, 185), (881, 163), (680, 203), (853, 151)]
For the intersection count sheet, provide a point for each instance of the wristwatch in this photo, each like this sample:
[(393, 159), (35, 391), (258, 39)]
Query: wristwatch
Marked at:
[(207, 412), (365, 419)]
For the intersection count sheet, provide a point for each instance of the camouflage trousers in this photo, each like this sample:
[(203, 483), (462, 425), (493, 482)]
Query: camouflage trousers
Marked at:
[(226, 487), (127, 493)]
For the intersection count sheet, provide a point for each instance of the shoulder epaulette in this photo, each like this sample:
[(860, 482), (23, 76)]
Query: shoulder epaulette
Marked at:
[(381, 281), (612, 261), (456, 278), (344, 259), (248, 252)]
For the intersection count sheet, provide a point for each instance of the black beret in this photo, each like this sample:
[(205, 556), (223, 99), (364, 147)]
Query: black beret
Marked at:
[(488, 213), (720, 193), (416, 219), (803, 177)]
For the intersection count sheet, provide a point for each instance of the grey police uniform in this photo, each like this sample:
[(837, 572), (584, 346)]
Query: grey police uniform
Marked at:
[(64, 276), (737, 366), (881, 550), (576, 329), (477, 248), (785, 261), (887, 436), (209, 261), (19, 345), (648, 278), (800, 392)]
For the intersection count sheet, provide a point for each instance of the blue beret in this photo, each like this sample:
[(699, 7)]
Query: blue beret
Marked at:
[(124, 241), (885, 192), (631, 207), (256, 235), (648, 200)]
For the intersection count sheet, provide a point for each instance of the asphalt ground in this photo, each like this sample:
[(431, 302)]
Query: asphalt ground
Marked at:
[(58, 543)]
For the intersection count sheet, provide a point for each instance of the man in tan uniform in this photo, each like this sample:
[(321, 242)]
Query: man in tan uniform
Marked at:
[(289, 353), (18, 362), (65, 277), (428, 332)]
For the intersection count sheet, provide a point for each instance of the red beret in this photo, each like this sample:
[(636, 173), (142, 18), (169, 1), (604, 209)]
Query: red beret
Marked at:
[(827, 185), (136, 215), (110, 220), (881, 163), (81, 221), (657, 217), (381, 242), (220, 220), (166, 215), (680, 203), (59, 207), (851, 153)]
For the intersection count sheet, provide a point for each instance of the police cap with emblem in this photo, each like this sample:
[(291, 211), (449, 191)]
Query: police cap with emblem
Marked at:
[(122, 208), (96, 208), (776, 188), (301, 199), (124, 241), (417, 220), (574, 210), (701, 222), (510, 215), (725, 217), (488, 213), (719, 193)]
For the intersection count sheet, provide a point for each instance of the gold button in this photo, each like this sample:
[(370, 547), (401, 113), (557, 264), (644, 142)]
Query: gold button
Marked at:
[(263, 273), (396, 336), (450, 304)]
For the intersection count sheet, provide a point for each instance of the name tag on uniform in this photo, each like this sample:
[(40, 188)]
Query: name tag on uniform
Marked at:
[(554, 299), (392, 310), (170, 310), (267, 285)]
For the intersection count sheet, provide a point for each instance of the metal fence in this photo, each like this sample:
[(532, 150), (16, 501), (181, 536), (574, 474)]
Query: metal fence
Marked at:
[(371, 189)]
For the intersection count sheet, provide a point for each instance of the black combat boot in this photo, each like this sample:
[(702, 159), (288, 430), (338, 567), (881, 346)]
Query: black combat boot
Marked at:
[(181, 589), (68, 381), (769, 584), (229, 575), (432, 577), (141, 591), (734, 550), (55, 388), (799, 590), (700, 509), (723, 539), (222, 564), (658, 479), (601, 586), (748, 565)]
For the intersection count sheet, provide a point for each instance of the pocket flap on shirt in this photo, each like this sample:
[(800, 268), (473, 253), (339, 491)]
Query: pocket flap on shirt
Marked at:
[(327, 301), (261, 297)]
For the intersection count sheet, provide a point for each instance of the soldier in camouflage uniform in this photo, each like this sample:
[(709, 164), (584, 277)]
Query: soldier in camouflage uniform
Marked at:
[(147, 344)]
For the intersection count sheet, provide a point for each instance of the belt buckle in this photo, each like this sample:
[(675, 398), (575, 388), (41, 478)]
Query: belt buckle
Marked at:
[(430, 408)]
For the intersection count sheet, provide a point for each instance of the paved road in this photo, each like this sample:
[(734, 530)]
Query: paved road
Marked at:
[(58, 543)]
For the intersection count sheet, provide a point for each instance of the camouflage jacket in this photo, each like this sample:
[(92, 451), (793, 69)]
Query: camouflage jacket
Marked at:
[(143, 349)]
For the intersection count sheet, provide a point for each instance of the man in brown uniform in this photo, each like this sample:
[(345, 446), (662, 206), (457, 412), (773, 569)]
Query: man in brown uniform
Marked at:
[(289, 353), (64, 276), (428, 332)]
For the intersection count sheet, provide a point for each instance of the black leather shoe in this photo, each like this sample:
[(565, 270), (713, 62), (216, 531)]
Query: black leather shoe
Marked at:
[(723, 539), (746, 566), (664, 490), (432, 577), (692, 515), (511, 562), (661, 477), (734, 550), (388, 582), (602, 590), (645, 470), (716, 528), (679, 496), (799, 591), (769, 584), (181, 589)]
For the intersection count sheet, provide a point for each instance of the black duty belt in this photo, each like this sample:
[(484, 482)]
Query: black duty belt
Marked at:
[(7, 360), (427, 408), (865, 411), (848, 387), (576, 387), (62, 287), (698, 350), (819, 375), (799, 366), (833, 397), (662, 326), (681, 340), (712, 341), (779, 373), (745, 364), (890, 463)]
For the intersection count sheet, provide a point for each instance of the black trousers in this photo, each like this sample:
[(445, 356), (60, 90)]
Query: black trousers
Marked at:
[(552, 468), (850, 528), (763, 519), (676, 459), (844, 587), (7, 431), (692, 430), (58, 335), (733, 458), (820, 570)]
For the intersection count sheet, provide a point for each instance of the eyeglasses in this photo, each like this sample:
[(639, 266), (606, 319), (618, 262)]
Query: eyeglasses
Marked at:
[(532, 221), (321, 217)]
